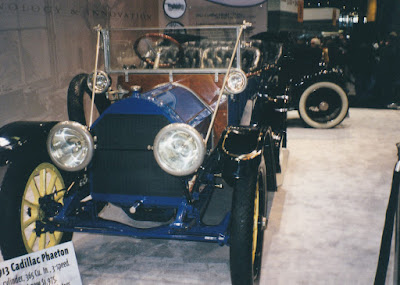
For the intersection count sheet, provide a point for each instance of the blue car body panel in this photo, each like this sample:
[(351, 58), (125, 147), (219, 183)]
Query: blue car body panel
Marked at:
[(177, 104)]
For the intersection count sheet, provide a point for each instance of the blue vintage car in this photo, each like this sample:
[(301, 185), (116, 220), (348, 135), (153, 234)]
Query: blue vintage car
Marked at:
[(181, 117)]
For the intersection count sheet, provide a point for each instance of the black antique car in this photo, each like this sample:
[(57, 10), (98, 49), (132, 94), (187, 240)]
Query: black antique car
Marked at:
[(316, 89), (180, 116)]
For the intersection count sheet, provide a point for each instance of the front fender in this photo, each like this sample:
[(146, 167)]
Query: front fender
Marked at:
[(242, 150), (23, 141), (331, 75)]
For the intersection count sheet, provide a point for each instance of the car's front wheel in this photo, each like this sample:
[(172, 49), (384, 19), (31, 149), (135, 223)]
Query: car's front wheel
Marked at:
[(248, 222), (323, 105), (30, 193)]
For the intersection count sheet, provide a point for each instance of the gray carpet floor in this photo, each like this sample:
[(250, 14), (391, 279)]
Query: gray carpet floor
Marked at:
[(325, 220)]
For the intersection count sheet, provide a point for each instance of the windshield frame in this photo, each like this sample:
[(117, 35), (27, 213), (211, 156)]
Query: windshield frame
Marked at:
[(106, 43)]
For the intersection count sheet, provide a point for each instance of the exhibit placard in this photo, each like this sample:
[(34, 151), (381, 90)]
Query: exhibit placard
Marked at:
[(52, 266)]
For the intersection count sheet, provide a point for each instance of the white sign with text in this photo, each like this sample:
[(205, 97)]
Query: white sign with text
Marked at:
[(52, 266)]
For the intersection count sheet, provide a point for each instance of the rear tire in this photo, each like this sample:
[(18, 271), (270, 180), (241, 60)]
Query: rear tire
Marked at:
[(248, 221), (21, 189), (323, 105)]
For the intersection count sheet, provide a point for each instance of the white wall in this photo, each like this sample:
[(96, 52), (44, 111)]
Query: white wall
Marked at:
[(283, 5), (318, 14), (44, 43)]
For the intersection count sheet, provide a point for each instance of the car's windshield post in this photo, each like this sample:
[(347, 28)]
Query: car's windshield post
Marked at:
[(221, 92), (98, 30)]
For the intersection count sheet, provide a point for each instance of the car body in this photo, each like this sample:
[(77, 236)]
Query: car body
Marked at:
[(316, 89), (165, 136)]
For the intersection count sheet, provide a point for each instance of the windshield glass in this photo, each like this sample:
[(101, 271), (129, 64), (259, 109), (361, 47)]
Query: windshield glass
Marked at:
[(204, 49)]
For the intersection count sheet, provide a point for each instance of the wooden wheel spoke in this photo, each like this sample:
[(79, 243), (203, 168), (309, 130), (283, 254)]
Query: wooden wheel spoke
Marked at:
[(59, 186), (29, 204), (42, 241), (32, 239), (52, 183), (42, 182), (59, 197), (53, 239), (58, 235), (30, 221), (35, 190)]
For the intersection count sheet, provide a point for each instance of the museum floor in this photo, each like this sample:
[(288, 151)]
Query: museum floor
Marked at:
[(325, 221)]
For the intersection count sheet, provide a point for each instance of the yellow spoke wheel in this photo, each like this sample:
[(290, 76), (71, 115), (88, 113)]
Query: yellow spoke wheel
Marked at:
[(248, 212), (44, 180), (256, 221)]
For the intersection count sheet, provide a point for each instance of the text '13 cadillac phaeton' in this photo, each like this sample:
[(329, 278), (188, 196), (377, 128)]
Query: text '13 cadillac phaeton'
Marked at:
[(184, 116)]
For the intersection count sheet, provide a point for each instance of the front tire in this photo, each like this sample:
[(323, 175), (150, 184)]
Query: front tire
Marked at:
[(21, 209), (323, 105), (248, 221)]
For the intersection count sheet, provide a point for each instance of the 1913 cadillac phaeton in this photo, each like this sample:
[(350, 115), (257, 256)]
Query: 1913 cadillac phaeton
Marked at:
[(182, 115)]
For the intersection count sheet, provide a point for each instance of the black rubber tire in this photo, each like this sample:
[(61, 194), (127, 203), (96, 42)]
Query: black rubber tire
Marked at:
[(77, 91), (336, 102), (245, 265), (11, 197)]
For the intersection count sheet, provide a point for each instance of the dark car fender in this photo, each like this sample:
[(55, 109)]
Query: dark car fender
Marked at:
[(23, 141), (330, 74), (76, 91), (242, 150)]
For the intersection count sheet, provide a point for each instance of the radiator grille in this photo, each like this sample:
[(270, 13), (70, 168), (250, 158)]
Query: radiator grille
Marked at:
[(123, 164)]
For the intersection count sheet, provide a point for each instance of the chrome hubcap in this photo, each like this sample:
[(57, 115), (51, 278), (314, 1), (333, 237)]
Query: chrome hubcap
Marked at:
[(324, 106)]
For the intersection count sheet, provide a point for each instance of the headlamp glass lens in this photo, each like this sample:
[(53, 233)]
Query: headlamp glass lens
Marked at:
[(236, 82), (102, 82), (179, 149), (70, 146)]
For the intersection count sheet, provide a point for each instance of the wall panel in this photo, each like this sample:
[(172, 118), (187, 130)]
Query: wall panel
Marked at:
[(44, 43)]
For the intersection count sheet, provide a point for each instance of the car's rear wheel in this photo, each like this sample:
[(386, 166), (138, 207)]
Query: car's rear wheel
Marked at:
[(24, 190), (323, 105), (248, 222)]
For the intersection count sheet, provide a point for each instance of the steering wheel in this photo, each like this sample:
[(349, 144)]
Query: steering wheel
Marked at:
[(151, 46)]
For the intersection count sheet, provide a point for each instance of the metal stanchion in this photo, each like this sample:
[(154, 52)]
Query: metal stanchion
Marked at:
[(393, 210), (396, 270)]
